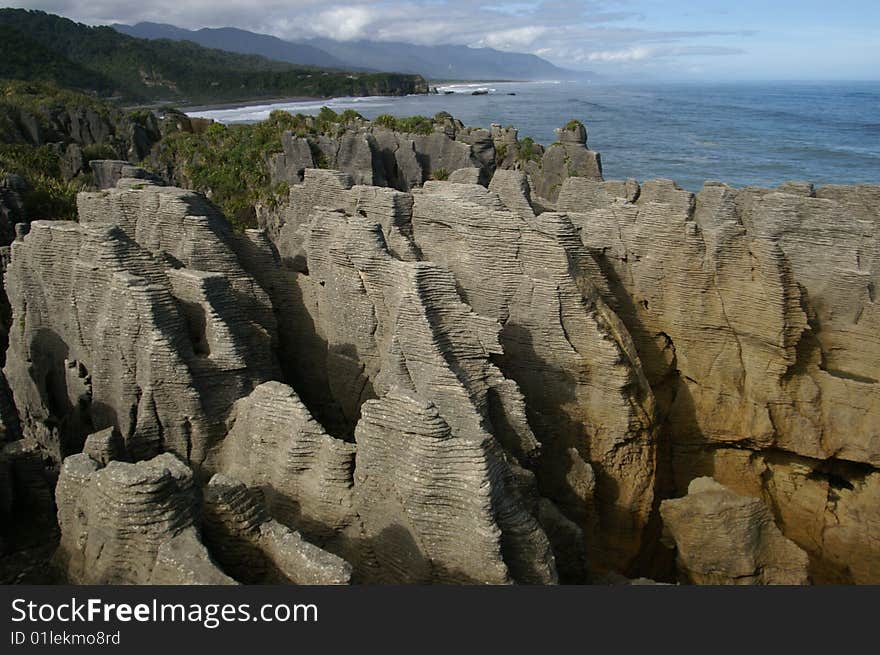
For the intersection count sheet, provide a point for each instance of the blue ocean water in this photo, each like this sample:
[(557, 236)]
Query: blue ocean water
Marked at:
[(739, 133)]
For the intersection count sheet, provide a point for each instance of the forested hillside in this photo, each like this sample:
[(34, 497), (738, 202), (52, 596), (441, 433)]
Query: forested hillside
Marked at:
[(35, 45)]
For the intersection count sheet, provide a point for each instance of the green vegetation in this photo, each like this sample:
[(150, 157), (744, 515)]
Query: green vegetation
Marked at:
[(48, 195), (412, 124), (327, 121), (98, 151), (573, 124), (45, 108), (25, 59), (230, 163), (527, 151), (500, 151), (35, 45), (42, 99)]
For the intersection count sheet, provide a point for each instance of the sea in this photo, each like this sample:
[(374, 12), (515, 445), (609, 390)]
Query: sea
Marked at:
[(740, 133)]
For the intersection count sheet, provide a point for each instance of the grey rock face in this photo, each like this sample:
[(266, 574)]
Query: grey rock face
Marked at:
[(105, 446), (184, 560), (108, 333), (489, 385), (561, 343), (783, 356), (405, 328), (335, 190), (723, 538), (274, 445), (375, 155), (259, 549), (564, 162), (131, 523), (465, 176), (289, 165), (108, 172), (402, 167), (458, 520)]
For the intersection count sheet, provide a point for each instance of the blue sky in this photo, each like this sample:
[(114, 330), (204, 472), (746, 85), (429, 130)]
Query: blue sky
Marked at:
[(663, 39)]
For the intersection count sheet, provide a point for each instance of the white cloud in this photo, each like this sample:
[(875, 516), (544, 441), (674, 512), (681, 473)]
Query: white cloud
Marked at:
[(629, 54), (598, 34), (343, 23), (517, 38)]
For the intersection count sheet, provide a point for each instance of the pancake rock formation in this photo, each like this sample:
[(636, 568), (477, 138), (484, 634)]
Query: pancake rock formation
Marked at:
[(754, 314), (115, 326), (723, 538), (519, 374), (132, 523)]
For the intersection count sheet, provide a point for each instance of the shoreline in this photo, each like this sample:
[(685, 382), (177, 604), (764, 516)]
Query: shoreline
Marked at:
[(254, 102), (238, 104)]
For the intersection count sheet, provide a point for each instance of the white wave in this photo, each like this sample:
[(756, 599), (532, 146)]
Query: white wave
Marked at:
[(465, 88), (254, 113)]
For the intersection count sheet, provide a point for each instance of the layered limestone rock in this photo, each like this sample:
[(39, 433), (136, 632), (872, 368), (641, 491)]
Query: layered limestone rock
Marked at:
[(290, 164), (829, 508), (438, 506), (258, 549), (184, 230), (487, 385), (309, 481), (335, 190), (274, 445), (105, 446), (108, 172), (111, 333), (405, 327), (131, 523), (567, 157), (373, 154), (723, 538), (754, 316), (547, 168), (587, 398)]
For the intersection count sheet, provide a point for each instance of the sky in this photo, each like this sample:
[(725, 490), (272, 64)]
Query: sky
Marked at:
[(661, 39)]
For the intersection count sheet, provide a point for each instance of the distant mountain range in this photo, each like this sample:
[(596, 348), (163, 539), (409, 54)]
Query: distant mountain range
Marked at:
[(442, 62), (241, 41), (37, 46)]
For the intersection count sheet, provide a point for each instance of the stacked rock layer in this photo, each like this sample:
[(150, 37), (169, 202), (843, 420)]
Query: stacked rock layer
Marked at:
[(445, 382)]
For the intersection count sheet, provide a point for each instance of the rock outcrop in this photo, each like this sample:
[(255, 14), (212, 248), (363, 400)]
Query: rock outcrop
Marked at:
[(438, 505), (131, 523), (304, 475), (499, 378), (259, 549), (108, 332), (372, 153), (723, 538), (406, 328), (586, 396), (567, 157), (375, 154), (747, 308)]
